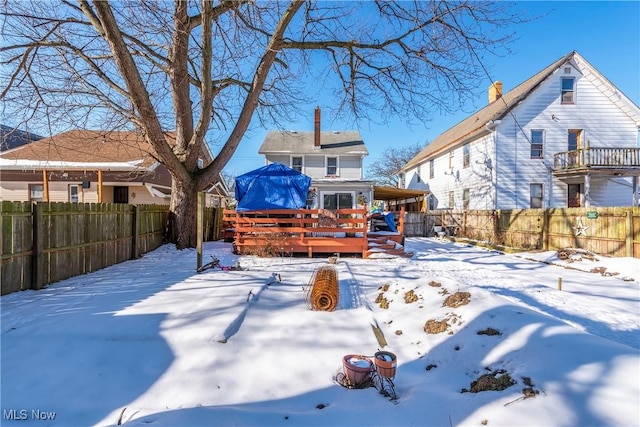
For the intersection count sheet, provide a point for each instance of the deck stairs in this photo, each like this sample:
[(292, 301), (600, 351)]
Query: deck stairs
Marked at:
[(386, 244)]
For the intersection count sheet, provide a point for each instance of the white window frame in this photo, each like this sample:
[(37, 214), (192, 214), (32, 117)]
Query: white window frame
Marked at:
[(538, 186), (571, 91), (466, 155), (77, 187), (336, 193), (293, 166), (326, 166), (34, 191), (536, 144)]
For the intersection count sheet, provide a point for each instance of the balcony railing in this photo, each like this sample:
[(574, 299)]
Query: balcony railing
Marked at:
[(597, 157)]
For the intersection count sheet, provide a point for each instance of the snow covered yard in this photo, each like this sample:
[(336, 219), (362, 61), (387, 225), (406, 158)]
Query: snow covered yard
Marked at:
[(151, 342)]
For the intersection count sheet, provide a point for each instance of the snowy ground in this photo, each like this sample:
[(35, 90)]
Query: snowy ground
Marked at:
[(151, 342)]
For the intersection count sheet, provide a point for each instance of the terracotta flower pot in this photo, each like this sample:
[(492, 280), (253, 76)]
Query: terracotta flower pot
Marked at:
[(356, 368), (385, 364)]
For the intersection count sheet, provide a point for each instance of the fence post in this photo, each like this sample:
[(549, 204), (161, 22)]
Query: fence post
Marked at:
[(545, 230), (135, 232), (37, 264), (629, 243)]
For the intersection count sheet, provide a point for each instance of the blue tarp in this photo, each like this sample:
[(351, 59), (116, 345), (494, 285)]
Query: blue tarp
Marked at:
[(390, 220), (274, 186)]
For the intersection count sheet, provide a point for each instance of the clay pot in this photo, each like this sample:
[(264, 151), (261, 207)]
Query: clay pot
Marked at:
[(385, 364), (356, 368)]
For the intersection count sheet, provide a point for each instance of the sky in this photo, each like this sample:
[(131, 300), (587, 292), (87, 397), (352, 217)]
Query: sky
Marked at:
[(605, 33), (150, 342)]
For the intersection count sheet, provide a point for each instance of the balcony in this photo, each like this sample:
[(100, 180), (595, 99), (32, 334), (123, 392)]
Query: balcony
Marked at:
[(605, 161)]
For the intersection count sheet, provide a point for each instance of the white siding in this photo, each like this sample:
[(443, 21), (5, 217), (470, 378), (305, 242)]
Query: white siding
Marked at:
[(477, 177), (350, 167), (502, 169), (314, 167), (602, 123), (611, 192)]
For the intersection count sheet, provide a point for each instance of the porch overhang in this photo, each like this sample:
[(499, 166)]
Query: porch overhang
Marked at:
[(572, 174), (395, 193)]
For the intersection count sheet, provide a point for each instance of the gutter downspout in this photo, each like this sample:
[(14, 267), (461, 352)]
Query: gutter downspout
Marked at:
[(492, 127)]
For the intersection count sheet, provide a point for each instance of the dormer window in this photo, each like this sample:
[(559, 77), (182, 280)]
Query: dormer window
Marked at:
[(568, 90)]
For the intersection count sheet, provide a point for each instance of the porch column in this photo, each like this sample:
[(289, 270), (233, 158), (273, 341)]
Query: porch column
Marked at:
[(99, 186), (636, 196), (45, 186), (587, 191)]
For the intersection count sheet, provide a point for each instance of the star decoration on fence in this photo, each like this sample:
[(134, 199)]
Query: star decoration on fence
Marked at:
[(580, 229)]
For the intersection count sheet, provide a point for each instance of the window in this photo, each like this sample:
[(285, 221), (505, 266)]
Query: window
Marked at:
[(465, 199), (568, 90), (418, 174), (36, 192), (332, 166), (120, 194), (451, 200), (431, 169), (466, 155), (338, 201), (537, 143), (296, 163), (74, 194), (535, 196), (451, 159)]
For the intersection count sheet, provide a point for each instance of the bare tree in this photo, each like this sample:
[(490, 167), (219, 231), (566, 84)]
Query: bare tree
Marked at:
[(208, 68), (384, 171)]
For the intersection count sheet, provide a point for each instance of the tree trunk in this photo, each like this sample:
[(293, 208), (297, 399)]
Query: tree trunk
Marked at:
[(183, 209)]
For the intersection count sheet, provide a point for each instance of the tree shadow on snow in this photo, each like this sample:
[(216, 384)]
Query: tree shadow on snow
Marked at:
[(530, 345)]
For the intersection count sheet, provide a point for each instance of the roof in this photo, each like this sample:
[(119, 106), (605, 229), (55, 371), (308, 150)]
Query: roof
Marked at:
[(82, 147), (295, 142), (396, 193), (474, 125), (11, 138)]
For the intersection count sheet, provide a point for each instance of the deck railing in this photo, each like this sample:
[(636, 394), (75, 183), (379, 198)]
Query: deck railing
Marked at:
[(300, 230), (597, 157)]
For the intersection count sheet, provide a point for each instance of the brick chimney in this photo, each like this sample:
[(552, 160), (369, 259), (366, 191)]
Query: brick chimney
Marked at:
[(495, 91), (316, 128)]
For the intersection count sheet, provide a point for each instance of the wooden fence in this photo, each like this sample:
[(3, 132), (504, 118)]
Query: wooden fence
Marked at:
[(604, 230), (46, 242)]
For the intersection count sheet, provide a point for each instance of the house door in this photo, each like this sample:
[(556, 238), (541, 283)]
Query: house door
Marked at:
[(574, 194), (120, 194), (574, 143), (574, 139)]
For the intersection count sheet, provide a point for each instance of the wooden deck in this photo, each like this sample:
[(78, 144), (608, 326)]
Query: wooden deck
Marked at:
[(308, 231)]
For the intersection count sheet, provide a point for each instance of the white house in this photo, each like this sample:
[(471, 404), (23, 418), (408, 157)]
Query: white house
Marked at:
[(333, 160), (566, 137)]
